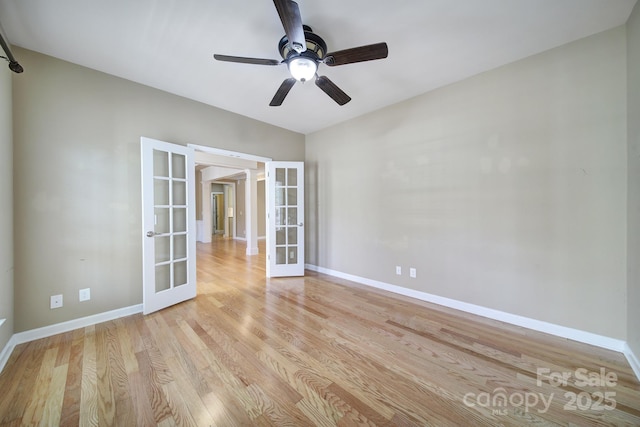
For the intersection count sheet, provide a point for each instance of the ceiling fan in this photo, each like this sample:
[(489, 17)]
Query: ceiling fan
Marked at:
[(302, 51)]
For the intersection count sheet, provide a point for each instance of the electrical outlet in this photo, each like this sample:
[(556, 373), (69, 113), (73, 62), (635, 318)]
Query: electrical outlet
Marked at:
[(84, 294), (56, 301), (398, 270), (412, 272)]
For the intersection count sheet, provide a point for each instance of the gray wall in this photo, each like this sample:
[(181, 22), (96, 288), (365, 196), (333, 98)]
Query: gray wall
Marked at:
[(241, 228), (507, 190), (77, 180), (6, 212), (633, 74)]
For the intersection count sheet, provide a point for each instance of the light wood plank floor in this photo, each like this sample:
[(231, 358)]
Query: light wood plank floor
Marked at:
[(310, 351)]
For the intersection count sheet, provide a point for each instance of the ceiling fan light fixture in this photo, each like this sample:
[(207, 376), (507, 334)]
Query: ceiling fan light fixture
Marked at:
[(302, 68), (303, 61)]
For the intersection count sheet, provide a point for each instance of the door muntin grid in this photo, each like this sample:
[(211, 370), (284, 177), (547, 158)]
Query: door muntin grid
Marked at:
[(286, 216), (170, 219)]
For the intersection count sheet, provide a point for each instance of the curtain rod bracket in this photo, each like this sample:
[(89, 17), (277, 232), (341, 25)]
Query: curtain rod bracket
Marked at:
[(15, 67), (13, 64)]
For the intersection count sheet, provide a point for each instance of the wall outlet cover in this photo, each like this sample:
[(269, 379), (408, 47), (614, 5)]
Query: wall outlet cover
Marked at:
[(84, 294), (56, 301)]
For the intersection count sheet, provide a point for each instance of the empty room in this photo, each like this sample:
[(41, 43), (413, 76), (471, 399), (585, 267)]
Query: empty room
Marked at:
[(420, 213)]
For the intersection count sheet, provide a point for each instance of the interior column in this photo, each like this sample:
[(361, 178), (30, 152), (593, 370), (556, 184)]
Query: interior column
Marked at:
[(251, 209)]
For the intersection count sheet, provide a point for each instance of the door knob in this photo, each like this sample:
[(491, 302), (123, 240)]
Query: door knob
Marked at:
[(300, 224), (152, 234)]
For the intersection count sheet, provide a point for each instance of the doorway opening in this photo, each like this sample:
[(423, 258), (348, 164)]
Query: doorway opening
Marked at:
[(217, 212), (228, 199)]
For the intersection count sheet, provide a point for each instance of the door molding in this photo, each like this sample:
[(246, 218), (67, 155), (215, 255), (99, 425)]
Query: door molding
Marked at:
[(230, 155)]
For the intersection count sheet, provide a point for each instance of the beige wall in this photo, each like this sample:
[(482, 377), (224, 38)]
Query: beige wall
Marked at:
[(241, 227), (6, 201), (507, 190), (633, 260), (77, 180), (198, 195)]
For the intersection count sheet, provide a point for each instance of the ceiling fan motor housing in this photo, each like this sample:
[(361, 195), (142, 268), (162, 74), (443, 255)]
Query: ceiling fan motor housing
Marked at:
[(316, 47)]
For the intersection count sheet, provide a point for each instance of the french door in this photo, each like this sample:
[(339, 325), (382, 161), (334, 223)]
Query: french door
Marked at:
[(285, 218), (169, 224)]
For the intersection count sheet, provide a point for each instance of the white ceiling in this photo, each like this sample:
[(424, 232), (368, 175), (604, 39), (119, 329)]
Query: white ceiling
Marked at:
[(169, 45)]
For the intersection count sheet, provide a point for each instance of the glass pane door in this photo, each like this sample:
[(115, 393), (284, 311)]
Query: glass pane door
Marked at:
[(168, 196), (170, 222), (285, 231)]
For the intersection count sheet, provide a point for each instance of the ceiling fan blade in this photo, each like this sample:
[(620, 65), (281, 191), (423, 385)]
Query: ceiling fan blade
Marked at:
[(332, 90), (357, 54), (292, 22), (243, 60), (282, 92)]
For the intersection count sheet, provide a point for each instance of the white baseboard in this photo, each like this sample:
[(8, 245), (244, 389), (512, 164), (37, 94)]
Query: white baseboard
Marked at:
[(244, 239), (633, 360), (537, 325), (526, 322), (58, 328), (6, 352)]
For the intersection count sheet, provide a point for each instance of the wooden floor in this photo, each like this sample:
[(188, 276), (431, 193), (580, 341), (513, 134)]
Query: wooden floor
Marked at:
[(310, 351)]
